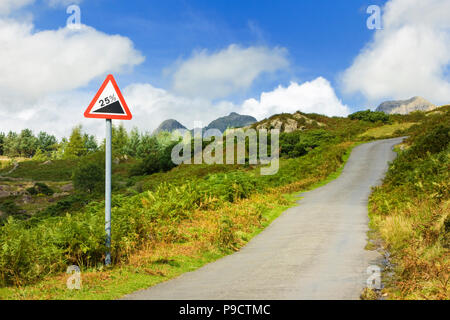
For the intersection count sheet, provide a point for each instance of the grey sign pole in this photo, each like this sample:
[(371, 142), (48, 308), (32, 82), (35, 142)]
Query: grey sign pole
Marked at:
[(108, 191)]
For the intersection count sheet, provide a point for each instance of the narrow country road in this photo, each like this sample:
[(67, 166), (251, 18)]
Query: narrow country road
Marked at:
[(312, 251)]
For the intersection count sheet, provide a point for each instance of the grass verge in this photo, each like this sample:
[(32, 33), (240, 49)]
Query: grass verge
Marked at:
[(387, 130), (410, 214)]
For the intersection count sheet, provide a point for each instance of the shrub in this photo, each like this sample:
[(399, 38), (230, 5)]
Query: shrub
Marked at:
[(89, 175), (227, 238), (370, 116), (40, 187), (434, 141), (156, 161), (9, 207), (62, 206), (298, 143)]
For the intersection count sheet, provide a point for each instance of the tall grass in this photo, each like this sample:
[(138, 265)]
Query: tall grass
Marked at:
[(412, 215)]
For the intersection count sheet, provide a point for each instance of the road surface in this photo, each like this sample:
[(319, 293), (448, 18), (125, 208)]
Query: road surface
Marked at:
[(312, 251)]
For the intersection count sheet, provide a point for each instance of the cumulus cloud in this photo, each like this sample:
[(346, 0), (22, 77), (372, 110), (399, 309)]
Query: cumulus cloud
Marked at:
[(410, 56), (58, 113), (7, 6), (316, 96), (153, 105), (218, 74), (33, 64), (42, 71), (43, 74), (55, 114)]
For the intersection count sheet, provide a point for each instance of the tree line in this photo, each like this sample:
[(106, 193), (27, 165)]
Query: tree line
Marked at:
[(45, 146)]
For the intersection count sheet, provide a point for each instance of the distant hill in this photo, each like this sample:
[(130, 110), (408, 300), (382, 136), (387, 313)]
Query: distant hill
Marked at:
[(406, 106), (233, 120), (169, 125)]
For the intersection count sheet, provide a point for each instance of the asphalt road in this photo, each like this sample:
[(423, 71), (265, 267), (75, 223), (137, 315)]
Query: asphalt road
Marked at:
[(312, 251)]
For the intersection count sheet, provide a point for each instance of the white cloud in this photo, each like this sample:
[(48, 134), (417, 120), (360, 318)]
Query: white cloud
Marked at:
[(409, 57), (55, 114), (150, 106), (216, 75), (7, 6), (58, 113), (42, 71), (33, 64), (316, 96)]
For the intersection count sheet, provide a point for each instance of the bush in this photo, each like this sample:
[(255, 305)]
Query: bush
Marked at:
[(9, 207), (89, 175), (298, 143), (370, 116), (40, 188), (433, 142), (157, 161), (62, 206)]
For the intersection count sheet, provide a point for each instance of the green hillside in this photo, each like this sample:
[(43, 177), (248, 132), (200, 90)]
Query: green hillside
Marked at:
[(170, 219)]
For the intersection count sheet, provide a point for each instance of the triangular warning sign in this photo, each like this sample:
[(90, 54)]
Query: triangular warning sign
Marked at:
[(108, 103)]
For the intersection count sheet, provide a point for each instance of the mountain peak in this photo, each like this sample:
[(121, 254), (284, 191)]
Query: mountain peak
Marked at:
[(406, 106), (233, 120), (169, 125)]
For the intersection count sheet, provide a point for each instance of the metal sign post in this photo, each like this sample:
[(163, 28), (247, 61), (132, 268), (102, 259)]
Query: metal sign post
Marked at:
[(108, 190), (108, 104)]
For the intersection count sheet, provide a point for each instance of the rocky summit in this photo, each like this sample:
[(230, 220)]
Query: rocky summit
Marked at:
[(169, 125), (406, 106)]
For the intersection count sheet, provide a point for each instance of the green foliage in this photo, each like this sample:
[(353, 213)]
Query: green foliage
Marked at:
[(72, 202), (52, 239), (9, 207), (227, 238), (298, 143), (28, 143), (2, 143), (119, 140), (46, 143), (433, 142), (157, 160), (370, 116), (47, 244), (39, 156), (90, 144), (76, 146), (133, 142), (40, 188), (231, 186), (148, 145), (410, 211), (11, 144), (89, 175), (56, 170)]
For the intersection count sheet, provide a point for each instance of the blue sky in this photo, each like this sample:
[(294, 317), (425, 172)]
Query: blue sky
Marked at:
[(198, 60), (322, 37)]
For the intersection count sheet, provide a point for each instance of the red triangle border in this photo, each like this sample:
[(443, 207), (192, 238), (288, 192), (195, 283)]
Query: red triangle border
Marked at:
[(127, 116)]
